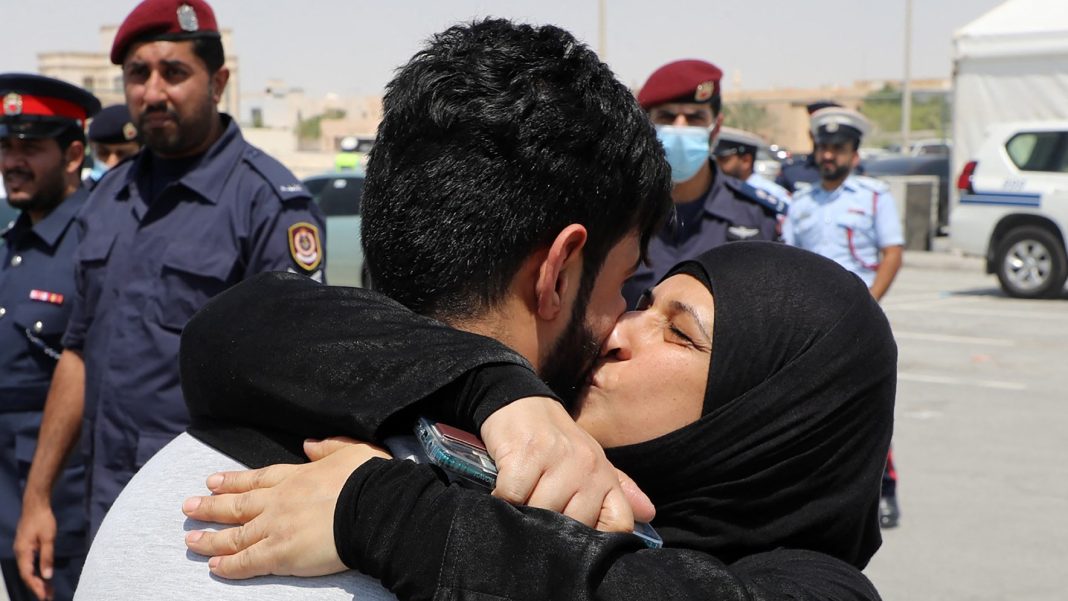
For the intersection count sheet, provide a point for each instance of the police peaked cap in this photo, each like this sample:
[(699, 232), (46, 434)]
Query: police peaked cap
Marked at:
[(172, 20), (812, 107), (113, 125), (736, 141), (836, 125), (35, 106), (681, 81)]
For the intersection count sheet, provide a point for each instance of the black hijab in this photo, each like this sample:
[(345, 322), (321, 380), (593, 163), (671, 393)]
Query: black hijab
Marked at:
[(797, 417)]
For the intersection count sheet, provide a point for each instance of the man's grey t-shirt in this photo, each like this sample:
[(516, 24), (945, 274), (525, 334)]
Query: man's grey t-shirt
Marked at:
[(139, 551)]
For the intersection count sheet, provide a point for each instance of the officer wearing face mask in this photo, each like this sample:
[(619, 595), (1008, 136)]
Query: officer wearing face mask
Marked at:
[(683, 101), (112, 139)]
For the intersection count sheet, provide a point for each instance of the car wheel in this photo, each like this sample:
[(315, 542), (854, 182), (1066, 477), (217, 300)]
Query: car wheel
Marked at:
[(1031, 263)]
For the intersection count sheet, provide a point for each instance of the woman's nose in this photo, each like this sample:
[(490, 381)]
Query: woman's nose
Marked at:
[(618, 344)]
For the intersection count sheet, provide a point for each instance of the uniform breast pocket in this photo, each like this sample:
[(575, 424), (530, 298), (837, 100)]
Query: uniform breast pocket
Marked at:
[(44, 321), (92, 259), (190, 275)]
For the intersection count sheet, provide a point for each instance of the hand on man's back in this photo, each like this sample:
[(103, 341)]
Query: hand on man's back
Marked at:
[(546, 460)]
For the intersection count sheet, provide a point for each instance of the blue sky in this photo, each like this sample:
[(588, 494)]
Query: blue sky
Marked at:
[(353, 46)]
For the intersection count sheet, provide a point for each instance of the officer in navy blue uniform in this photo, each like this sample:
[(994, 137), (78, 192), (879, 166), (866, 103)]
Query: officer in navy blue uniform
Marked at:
[(195, 212), (683, 101), (112, 139), (801, 172), (42, 146)]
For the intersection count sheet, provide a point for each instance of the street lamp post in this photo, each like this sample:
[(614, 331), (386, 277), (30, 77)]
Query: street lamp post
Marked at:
[(906, 87)]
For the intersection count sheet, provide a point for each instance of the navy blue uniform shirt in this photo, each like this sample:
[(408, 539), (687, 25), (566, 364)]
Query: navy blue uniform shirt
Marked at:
[(36, 291), (731, 210), (798, 174), (145, 266)]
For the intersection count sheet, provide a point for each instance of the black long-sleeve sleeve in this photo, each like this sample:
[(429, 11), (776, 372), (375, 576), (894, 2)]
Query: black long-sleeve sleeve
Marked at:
[(279, 358), (398, 521)]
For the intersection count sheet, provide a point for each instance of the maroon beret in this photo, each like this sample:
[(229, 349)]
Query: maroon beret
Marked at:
[(681, 81), (164, 20)]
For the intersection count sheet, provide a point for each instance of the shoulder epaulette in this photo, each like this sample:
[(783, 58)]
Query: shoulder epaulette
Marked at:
[(760, 197), (870, 183), (285, 185)]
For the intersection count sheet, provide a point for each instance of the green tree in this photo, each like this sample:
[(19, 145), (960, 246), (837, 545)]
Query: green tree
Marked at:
[(310, 128), (746, 115), (884, 109)]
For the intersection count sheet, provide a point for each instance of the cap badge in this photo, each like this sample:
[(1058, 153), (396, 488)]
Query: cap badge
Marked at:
[(129, 131), (187, 18), (13, 104), (831, 127), (704, 91)]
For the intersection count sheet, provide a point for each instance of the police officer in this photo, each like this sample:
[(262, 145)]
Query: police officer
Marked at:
[(736, 152), (42, 146), (683, 101), (852, 220), (197, 211), (800, 172), (112, 139)]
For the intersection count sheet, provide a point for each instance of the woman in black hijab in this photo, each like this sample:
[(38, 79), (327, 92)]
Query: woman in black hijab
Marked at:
[(760, 440)]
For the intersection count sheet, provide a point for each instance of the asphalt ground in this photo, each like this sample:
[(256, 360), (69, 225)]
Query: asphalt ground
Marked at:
[(980, 439)]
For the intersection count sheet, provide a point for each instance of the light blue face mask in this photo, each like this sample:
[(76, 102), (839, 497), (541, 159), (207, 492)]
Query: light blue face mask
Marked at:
[(98, 171), (685, 147)]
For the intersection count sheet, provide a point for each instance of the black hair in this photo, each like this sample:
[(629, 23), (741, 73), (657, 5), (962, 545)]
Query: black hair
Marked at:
[(210, 50), (70, 135), (494, 138), (716, 102)]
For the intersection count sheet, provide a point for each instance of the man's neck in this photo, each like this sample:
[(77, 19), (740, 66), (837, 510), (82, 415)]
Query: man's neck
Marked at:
[(831, 185), (507, 328), (37, 215), (694, 188)]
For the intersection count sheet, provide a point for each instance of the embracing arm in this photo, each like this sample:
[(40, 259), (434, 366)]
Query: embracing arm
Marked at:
[(397, 521)]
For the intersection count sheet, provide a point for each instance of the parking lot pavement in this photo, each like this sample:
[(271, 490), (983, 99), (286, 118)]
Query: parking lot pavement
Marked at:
[(980, 440)]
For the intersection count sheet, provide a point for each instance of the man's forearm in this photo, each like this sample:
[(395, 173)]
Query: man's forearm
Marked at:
[(60, 425), (887, 271)]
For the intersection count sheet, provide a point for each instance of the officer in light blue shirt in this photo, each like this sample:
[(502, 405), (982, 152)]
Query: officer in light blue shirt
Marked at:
[(852, 220), (736, 152)]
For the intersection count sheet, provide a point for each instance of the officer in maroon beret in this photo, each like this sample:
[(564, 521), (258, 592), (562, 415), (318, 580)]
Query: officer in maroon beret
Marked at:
[(196, 211), (683, 101)]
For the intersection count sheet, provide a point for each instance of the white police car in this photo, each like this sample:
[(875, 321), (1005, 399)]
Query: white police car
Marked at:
[(1013, 207)]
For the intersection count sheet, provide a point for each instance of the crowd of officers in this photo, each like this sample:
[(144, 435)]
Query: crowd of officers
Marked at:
[(99, 276)]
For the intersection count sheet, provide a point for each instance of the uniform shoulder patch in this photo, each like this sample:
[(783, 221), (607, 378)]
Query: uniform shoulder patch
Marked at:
[(305, 245), (870, 183), (280, 179), (760, 197)]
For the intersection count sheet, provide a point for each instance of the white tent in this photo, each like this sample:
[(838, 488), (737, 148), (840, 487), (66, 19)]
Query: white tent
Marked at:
[(1010, 64)]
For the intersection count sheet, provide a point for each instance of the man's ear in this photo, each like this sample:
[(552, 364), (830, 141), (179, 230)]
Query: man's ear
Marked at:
[(73, 157), (559, 271), (218, 83)]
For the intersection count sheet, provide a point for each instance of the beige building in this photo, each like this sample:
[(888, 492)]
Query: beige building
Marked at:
[(94, 71), (782, 116)]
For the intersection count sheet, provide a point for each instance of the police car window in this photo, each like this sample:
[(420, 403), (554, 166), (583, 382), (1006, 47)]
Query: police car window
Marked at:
[(341, 196), (1037, 151)]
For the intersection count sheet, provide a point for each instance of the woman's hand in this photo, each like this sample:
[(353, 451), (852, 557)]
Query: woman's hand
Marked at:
[(286, 514)]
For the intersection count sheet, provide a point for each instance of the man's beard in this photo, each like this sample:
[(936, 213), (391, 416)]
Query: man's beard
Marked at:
[(188, 134), (572, 354), (51, 188), (833, 171)]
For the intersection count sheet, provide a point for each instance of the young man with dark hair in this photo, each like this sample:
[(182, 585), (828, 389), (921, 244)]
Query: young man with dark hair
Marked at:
[(511, 188), (683, 101), (42, 146), (195, 213)]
